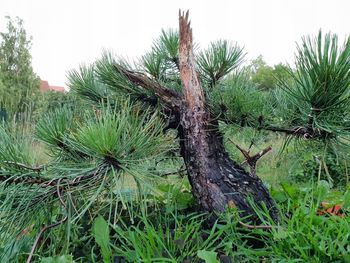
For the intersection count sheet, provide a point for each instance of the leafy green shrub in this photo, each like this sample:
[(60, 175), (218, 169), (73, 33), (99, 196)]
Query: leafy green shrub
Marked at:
[(329, 167), (304, 236), (160, 234)]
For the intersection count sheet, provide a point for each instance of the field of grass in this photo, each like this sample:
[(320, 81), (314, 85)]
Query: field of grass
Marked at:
[(159, 221), (163, 225)]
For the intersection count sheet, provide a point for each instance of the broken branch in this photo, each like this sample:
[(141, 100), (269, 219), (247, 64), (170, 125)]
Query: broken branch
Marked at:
[(251, 160), (169, 97)]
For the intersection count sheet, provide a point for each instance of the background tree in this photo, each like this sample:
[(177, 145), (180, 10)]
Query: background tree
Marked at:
[(267, 77), (173, 98), (19, 82)]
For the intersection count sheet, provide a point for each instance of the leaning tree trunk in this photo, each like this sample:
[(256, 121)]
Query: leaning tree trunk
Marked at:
[(217, 181)]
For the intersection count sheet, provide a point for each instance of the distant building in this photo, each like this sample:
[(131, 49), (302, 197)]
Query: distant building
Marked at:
[(44, 86)]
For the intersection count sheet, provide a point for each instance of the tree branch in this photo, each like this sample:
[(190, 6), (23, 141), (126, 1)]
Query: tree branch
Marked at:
[(305, 132), (300, 131), (21, 165), (45, 228), (30, 180), (179, 171), (251, 160), (46, 182), (170, 97)]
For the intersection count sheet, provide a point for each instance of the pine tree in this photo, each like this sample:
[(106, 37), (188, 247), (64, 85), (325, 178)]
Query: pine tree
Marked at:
[(130, 113)]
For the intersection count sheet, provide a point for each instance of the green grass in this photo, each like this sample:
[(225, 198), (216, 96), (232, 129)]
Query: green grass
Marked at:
[(161, 234), (162, 225)]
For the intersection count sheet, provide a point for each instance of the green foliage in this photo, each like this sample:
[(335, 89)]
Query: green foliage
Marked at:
[(238, 101), (320, 88), (99, 148), (102, 186), (168, 238), (14, 147), (347, 199), (125, 136), (323, 165), (58, 259), (313, 98), (219, 60), (164, 57), (83, 83), (208, 256), (281, 72), (267, 77), (18, 82), (95, 83), (162, 227), (101, 235), (52, 127), (162, 62), (307, 236), (168, 45), (53, 100), (158, 235), (175, 196)]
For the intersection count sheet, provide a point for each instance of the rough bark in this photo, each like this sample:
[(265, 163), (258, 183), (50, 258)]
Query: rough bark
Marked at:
[(217, 181), (168, 97)]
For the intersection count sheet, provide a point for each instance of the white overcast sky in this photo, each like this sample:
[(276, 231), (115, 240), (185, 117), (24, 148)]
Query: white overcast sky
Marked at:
[(67, 33)]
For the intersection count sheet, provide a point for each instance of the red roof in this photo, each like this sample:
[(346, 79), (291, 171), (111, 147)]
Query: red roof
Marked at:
[(44, 86), (57, 88)]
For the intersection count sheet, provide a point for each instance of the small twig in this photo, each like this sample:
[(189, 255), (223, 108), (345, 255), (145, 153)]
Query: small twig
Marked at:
[(262, 153), (46, 182), (254, 227), (59, 193), (21, 165), (175, 172), (72, 202), (31, 180), (244, 152), (36, 242), (251, 160), (346, 173), (300, 131), (250, 146)]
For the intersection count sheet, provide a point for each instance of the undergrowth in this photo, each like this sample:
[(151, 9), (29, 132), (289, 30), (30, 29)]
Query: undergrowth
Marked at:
[(161, 230), (164, 225)]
